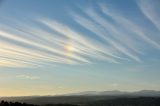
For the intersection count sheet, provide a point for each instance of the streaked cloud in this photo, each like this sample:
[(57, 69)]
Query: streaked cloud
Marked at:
[(28, 77), (151, 10), (46, 41), (102, 32), (133, 28), (82, 44), (127, 40)]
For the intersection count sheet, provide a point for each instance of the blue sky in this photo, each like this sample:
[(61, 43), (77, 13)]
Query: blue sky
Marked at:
[(50, 47)]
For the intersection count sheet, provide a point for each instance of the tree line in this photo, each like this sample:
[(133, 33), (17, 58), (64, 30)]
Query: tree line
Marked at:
[(5, 103)]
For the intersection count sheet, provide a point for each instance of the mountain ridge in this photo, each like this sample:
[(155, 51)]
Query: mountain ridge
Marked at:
[(117, 92)]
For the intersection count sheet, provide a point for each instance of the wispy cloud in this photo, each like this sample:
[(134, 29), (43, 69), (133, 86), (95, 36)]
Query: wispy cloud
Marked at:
[(133, 28), (49, 41), (28, 77), (113, 30), (101, 31), (124, 35), (34, 47), (83, 45), (151, 10)]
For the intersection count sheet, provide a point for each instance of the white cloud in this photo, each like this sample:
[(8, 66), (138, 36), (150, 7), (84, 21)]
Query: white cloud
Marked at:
[(151, 10), (114, 84), (133, 28), (24, 46), (95, 28), (28, 77)]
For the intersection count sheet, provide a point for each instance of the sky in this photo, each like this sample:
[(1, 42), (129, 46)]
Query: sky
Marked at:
[(51, 47)]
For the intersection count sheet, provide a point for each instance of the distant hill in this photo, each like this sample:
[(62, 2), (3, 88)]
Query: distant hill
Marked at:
[(83, 97), (120, 101), (119, 93)]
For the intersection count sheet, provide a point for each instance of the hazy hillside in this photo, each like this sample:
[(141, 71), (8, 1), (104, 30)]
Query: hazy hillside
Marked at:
[(119, 93), (84, 97), (90, 101)]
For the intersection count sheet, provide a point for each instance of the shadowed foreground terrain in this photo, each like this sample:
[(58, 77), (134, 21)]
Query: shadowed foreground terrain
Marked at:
[(5, 103), (114, 101)]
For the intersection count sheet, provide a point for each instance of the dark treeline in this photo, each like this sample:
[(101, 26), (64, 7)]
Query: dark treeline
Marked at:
[(5, 103)]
